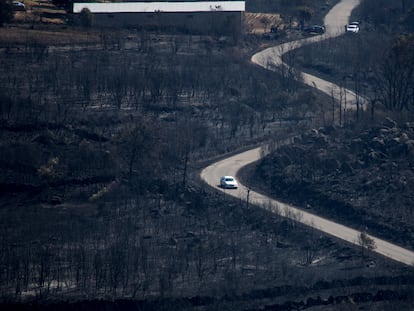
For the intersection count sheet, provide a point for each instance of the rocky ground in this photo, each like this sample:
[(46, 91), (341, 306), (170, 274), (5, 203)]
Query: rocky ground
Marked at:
[(359, 176)]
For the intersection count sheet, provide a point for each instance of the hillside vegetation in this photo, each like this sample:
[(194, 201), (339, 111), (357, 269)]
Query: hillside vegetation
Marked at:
[(102, 133), (360, 173), (361, 177)]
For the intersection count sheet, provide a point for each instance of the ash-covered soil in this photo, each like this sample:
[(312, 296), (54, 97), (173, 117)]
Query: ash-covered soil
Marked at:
[(362, 177)]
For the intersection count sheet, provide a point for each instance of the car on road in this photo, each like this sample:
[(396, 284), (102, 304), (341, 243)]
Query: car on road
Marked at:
[(352, 27), (18, 6), (315, 30), (228, 182)]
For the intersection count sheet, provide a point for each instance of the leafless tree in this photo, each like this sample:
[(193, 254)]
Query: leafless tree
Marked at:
[(366, 243), (395, 75), (265, 22)]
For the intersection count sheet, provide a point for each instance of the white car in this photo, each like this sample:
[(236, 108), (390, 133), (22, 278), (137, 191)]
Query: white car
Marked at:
[(18, 6), (352, 27), (228, 182)]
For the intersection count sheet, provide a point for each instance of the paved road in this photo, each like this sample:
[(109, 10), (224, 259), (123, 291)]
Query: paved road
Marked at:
[(334, 21)]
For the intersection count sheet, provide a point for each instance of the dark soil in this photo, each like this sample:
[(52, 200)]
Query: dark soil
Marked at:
[(359, 177), (94, 217)]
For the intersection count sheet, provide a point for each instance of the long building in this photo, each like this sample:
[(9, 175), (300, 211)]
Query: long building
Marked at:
[(204, 17)]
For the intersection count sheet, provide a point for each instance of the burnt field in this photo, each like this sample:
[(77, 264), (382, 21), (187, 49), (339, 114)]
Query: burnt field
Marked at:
[(102, 135)]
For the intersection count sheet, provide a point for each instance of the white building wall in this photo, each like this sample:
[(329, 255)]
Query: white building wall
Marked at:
[(143, 7)]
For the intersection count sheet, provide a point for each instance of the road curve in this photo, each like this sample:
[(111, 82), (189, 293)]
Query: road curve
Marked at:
[(334, 21)]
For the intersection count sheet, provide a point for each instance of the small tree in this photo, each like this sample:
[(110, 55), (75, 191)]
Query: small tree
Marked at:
[(305, 15), (366, 242), (86, 18), (276, 26), (265, 22), (395, 74), (6, 11)]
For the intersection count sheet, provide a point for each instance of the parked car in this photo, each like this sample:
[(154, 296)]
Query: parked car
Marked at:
[(228, 182), (315, 30), (352, 27), (18, 6)]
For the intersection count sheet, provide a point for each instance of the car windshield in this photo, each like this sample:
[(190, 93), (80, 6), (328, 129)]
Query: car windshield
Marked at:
[(229, 179)]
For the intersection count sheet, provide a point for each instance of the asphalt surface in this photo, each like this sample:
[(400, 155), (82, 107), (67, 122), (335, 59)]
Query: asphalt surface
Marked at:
[(270, 58), (335, 21)]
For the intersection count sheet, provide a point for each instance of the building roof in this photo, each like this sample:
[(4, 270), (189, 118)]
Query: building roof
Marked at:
[(147, 7)]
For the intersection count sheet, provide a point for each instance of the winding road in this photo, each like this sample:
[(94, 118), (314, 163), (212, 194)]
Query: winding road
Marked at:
[(270, 58)]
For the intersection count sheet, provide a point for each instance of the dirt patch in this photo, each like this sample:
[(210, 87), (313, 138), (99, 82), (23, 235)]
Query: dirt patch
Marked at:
[(259, 23)]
